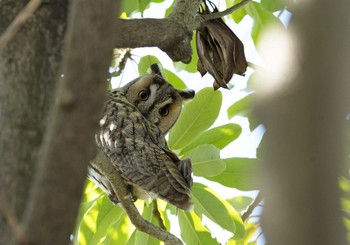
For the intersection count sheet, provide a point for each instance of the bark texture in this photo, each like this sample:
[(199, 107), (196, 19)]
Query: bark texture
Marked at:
[(69, 141), (306, 132), (29, 68)]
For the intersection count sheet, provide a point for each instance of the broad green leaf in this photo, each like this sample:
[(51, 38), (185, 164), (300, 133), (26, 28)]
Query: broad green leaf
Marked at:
[(192, 231), (97, 220), (206, 161), (192, 66), (273, 5), (146, 62), (239, 174), (143, 4), (208, 203), (139, 237), (250, 231), (242, 107), (119, 232), (173, 79), (240, 203), (239, 14), (220, 137), (197, 116), (263, 19), (91, 194), (129, 6)]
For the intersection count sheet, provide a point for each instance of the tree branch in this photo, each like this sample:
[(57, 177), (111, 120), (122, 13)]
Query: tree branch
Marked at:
[(252, 206), (11, 217), (110, 172), (168, 35), (68, 144), (18, 22), (221, 14)]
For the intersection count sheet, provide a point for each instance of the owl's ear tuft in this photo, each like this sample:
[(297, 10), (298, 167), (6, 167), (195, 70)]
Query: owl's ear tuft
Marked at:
[(155, 69), (187, 94)]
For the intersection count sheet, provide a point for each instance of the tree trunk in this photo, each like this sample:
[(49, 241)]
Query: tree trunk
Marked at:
[(29, 68), (305, 135)]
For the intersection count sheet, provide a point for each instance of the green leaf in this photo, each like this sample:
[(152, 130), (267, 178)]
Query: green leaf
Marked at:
[(123, 226), (239, 14), (208, 203), (220, 137), (263, 19), (206, 161), (197, 116), (239, 174), (146, 62), (240, 203), (250, 231), (273, 5), (242, 107), (97, 220), (192, 66), (143, 4), (173, 79), (129, 6), (192, 231)]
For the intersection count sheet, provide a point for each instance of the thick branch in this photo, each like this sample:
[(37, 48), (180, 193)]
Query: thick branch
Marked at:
[(68, 145), (110, 172), (170, 36)]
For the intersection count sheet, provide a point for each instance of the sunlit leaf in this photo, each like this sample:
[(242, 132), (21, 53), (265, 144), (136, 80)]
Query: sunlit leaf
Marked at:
[(173, 79), (239, 174), (146, 62), (197, 116), (219, 137), (129, 6), (250, 230), (97, 220), (119, 232), (192, 231), (239, 14), (206, 161), (263, 19), (240, 203), (143, 4), (208, 203), (242, 107), (273, 5)]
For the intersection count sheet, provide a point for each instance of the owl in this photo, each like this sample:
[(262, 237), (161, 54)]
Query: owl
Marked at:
[(131, 135)]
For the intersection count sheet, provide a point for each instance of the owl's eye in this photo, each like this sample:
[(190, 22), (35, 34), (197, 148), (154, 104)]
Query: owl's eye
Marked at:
[(164, 111), (143, 95)]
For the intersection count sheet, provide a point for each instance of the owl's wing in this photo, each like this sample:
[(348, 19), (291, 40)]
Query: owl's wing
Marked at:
[(150, 168), (139, 151)]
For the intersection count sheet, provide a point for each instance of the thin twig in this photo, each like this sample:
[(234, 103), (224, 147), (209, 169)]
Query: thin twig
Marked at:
[(156, 214), (252, 206), (221, 14), (18, 22), (11, 218)]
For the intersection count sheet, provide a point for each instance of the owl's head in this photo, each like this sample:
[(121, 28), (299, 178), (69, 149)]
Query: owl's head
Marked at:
[(156, 99)]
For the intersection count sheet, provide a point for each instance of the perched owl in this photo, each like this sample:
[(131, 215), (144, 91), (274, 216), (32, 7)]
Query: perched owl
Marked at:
[(131, 135)]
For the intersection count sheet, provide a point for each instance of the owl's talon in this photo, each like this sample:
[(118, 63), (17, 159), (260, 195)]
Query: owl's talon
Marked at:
[(113, 198)]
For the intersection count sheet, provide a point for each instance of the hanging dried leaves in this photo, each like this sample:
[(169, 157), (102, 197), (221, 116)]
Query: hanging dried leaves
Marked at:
[(220, 51)]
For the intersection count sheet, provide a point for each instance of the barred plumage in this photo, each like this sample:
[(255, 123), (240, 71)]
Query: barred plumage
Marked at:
[(131, 135)]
